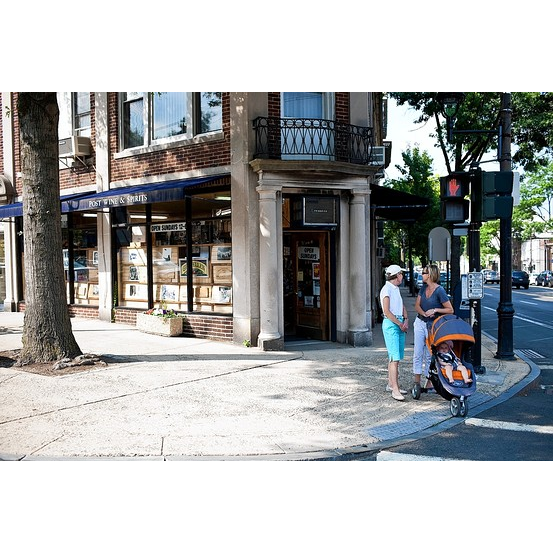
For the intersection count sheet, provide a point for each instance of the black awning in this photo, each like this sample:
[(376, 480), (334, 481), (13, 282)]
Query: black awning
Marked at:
[(396, 205)]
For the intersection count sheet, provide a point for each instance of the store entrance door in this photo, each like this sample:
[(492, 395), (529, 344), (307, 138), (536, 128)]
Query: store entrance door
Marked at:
[(306, 285)]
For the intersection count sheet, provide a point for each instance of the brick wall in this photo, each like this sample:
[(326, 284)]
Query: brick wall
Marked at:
[(209, 327)]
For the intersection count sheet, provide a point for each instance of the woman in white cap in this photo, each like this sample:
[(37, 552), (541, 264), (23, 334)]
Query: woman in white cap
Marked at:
[(394, 327)]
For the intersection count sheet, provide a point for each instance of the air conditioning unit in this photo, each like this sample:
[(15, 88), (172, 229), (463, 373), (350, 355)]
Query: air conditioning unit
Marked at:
[(75, 146), (378, 156)]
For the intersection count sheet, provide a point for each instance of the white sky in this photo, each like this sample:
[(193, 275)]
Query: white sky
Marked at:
[(403, 133)]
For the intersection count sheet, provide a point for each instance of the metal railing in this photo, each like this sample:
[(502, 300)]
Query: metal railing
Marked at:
[(311, 139)]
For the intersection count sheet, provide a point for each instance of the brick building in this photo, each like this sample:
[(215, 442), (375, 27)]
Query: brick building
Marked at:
[(252, 214)]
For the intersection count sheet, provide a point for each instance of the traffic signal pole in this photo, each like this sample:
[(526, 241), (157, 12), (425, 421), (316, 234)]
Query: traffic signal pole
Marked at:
[(505, 310), (476, 305)]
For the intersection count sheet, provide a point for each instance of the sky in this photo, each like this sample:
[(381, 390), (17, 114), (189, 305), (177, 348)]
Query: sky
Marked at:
[(403, 133)]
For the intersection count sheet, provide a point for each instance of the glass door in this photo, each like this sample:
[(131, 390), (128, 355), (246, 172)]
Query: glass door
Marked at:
[(306, 285)]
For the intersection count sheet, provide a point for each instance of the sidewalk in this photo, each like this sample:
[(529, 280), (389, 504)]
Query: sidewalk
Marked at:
[(191, 399)]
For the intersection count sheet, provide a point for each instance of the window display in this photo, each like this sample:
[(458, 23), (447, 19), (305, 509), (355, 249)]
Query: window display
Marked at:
[(210, 265)]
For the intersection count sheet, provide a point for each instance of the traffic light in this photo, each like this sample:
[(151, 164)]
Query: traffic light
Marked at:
[(491, 195), (453, 189)]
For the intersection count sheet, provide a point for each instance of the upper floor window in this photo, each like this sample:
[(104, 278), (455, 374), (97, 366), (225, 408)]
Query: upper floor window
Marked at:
[(75, 114), (81, 113), (158, 117), (210, 111)]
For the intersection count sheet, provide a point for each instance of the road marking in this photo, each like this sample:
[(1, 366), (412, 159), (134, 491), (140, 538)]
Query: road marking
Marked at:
[(529, 302), (532, 354), (390, 456), (515, 426), (533, 321)]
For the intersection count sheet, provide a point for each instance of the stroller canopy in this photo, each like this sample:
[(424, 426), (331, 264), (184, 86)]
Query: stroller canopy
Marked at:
[(449, 327)]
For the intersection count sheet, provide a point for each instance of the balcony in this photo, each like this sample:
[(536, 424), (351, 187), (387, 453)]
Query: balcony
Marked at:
[(312, 139)]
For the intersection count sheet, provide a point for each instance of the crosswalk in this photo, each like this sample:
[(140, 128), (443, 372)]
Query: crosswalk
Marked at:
[(481, 423)]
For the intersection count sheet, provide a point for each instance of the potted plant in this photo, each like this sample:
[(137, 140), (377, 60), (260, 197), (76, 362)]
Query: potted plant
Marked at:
[(160, 320)]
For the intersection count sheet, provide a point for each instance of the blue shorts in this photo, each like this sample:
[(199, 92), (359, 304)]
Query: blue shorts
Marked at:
[(394, 338)]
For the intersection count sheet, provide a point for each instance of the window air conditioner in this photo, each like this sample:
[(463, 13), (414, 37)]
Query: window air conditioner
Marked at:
[(74, 146), (378, 156)]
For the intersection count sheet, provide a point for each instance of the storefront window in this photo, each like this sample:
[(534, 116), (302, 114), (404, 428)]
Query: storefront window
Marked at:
[(162, 276), (80, 258)]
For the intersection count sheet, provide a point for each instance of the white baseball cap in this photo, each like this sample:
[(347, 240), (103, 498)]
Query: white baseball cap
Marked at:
[(394, 270)]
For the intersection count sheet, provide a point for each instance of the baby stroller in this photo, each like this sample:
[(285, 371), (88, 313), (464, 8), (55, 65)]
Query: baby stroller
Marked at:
[(450, 327)]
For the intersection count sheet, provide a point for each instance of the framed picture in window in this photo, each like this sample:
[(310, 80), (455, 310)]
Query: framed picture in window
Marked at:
[(222, 273), (93, 291), (169, 293), (136, 292), (221, 294), (221, 253), (200, 267), (82, 291)]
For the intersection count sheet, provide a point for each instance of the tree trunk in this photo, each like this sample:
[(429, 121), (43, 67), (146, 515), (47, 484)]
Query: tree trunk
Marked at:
[(47, 332)]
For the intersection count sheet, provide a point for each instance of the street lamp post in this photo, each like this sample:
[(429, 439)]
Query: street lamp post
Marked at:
[(449, 103)]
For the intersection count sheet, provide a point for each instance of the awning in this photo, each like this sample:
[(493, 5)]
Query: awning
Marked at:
[(395, 205), (118, 197), (11, 210), (134, 195)]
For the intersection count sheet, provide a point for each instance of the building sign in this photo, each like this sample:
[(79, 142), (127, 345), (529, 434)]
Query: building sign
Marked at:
[(308, 253), (167, 227), (118, 201), (320, 210)]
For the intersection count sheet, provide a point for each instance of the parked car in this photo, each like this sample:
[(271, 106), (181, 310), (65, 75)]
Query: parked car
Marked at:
[(533, 278), (545, 278), (520, 279), (490, 277), (418, 282)]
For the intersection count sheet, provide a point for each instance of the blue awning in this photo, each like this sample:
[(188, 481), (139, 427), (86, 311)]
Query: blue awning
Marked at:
[(118, 197), (11, 210)]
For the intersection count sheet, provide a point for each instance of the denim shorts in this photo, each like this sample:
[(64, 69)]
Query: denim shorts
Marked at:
[(394, 338)]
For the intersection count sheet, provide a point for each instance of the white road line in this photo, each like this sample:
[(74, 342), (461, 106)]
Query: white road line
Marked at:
[(529, 302), (515, 426), (390, 456), (533, 321)]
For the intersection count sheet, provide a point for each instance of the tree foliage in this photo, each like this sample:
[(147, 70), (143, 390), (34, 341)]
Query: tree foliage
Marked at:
[(416, 178), (532, 138), (532, 125)]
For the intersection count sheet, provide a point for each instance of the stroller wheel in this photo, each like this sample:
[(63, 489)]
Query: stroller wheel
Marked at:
[(455, 406), (463, 407), (416, 390)]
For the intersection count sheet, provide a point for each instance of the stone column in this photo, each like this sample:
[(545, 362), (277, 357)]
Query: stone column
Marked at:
[(270, 211), (358, 333), (103, 221)]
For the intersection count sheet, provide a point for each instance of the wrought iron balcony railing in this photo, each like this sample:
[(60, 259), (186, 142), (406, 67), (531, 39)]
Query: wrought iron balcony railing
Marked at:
[(311, 139)]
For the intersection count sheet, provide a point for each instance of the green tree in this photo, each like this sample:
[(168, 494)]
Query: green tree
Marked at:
[(47, 333), (532, 136), (535, 210), (416, 178), (532, 128)]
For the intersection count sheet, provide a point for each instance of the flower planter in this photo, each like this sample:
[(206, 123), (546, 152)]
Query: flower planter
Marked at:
[(161, 326)]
